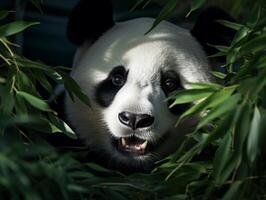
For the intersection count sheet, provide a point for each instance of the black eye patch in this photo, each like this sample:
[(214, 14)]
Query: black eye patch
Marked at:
[(108, 88), (171, 83)]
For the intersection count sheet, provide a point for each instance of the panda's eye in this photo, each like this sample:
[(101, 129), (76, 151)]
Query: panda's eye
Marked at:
[(118, 80), (170, 85)]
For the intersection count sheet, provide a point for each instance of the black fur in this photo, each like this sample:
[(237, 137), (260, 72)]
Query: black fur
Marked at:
[(177, 109), (208, 30), (106, 90), (89, 20)]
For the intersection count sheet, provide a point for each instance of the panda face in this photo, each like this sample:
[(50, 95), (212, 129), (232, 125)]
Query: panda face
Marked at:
[(128, 76)]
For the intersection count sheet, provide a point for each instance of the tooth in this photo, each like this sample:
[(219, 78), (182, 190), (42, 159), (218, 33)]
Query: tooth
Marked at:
[(123, 142), (138, 148), (144, 145)]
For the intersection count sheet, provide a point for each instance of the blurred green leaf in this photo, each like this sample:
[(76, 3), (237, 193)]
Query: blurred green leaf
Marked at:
[(255, 14), (4, 13), (241, 33), (255, 45), (14, 28), (232, 25), (138, 3), (196, 4), (166, 12), (7, 101), (7, 121), (72, 87), (219, 75), (253, 148), (222, 157), (35, 101), (233, 192)]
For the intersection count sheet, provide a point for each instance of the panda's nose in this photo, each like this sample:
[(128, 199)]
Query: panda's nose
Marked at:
[(135, 121)]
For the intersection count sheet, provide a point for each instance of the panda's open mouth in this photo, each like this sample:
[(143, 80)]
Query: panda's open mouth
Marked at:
[(133, 145)]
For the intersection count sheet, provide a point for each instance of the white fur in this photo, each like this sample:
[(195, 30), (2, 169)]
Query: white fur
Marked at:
[(145, 56)]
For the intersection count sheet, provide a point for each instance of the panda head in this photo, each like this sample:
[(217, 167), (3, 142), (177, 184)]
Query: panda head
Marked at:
[(128, 75)]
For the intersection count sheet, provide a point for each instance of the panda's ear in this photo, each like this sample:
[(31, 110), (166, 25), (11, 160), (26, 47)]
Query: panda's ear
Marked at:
[(208, 31), (89, 20)]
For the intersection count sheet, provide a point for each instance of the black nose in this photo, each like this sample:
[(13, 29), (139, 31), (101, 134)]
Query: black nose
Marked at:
[(135, 121)]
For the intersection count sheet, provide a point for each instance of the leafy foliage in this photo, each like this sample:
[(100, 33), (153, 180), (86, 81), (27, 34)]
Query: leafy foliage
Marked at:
[(224, 158)]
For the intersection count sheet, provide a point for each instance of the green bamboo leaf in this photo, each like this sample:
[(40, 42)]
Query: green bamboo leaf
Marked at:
[(7, 121), (232, 25), (222, 156), (212, 101), (219, 75), (7, 101), (220, 110), (24, 82), (223, 49), (61, 126), (255, 14), (255, 45), (241, 34), (20, 106), (242, 127), (253, 149), (14, 28), (190, 95), (166, 12), (213, 86), (35, 101), (4, 13), (196, 4), (219, 54), (26, 63), (42, 79), (138, 3), (261, 62), (73, 88), (234, 191)]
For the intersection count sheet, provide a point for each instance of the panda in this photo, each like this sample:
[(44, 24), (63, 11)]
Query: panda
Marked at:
[(127, 75)]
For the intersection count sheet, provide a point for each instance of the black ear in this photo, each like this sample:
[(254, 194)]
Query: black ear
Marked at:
[(89, 20), (208, 31)]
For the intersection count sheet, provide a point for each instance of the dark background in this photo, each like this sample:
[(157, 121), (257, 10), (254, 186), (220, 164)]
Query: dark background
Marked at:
[(47, 42)]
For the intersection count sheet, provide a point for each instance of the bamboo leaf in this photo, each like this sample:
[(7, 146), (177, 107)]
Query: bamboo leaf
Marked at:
[(62, 126), (4, 14), (73, 88), (219, 75), (222, 156), (255, 45), (233, 192), (196, 4), (166, 12), (255, 14), (35, 101), (232, 25), (14, 28), (210, 102), (190, 95), (254, 136), (220, 110)]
